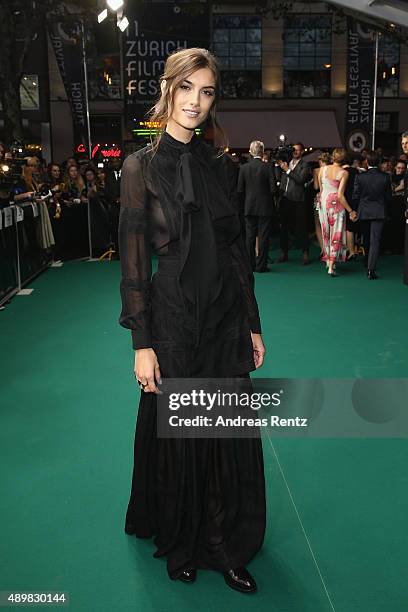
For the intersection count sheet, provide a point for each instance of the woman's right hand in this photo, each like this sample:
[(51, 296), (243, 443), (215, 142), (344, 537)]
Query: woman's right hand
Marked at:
[(147, 369)]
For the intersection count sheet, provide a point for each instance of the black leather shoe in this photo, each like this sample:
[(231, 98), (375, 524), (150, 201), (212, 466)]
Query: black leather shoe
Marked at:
[(284, 257), (371, 275), (240, 580), (189, 575)]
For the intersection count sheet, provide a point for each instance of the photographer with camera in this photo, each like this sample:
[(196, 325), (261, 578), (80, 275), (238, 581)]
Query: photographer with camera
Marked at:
[(11, 168), (5, 184), (292, 209)]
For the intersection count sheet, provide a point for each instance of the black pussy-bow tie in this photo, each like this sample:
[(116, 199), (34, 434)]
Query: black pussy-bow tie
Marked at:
[(199, 276), (202, 201)]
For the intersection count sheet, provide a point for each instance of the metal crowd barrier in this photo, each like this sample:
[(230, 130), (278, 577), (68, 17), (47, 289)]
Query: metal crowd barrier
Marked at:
[(21, 256)]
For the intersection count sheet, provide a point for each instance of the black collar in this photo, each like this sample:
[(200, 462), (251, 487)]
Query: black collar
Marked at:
[(182, 147)]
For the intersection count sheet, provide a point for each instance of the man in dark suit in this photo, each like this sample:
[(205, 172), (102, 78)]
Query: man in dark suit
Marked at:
[(256, 183), (293, 210), (373, 196), (112, 193), (404, 145)]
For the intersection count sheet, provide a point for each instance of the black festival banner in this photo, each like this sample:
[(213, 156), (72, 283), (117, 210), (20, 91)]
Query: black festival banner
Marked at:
[(66, 39), (156, 30), (360, 85)]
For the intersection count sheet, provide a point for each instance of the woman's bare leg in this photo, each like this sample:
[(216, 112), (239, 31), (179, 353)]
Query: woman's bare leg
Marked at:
[(318, 230)]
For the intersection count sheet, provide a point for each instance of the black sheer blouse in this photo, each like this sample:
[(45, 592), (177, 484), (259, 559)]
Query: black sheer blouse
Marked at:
[(155, 205)]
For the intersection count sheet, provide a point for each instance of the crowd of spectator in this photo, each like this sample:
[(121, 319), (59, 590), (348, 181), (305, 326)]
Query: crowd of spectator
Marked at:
[(67, 189)]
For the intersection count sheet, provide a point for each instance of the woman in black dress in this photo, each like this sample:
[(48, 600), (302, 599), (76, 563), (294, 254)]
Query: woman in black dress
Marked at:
[(203, 499), (74, 232)]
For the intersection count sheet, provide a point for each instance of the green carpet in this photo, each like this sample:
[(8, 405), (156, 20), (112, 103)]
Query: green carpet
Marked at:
[(336, 535)]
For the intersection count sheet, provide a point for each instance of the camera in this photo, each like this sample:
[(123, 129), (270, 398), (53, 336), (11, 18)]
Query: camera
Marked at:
[(283, 152), (10, 170), (44, 192)]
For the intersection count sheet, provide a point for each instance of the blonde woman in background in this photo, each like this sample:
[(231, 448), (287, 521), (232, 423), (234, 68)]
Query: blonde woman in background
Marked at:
[(28, 184), (74, 186)]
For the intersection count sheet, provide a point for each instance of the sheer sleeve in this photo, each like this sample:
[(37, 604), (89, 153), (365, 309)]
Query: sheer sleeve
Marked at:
[(135, 253), (241, 258)]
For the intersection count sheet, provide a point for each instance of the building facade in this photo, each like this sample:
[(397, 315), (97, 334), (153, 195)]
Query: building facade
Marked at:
[(298, 84), (281, 73)]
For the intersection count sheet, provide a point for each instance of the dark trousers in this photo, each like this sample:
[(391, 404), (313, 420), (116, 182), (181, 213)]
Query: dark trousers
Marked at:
[(371, 229), (258, 225), (293, 219)]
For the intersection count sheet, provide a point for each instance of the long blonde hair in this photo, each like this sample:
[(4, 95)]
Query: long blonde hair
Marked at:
[(27, 175), (339, 156), (78, 182), (179, 66)]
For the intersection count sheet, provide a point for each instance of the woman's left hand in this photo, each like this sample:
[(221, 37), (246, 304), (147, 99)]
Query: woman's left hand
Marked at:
[(259, 349)]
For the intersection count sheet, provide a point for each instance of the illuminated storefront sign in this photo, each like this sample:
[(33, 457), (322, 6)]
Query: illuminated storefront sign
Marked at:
[(106, 151), (152, 128)]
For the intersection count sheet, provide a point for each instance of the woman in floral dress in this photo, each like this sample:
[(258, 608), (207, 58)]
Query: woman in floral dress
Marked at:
[(332, 210)]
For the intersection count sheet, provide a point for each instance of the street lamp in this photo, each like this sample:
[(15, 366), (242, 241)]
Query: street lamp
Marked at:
[(103, 15), (115, 6), (123, 23)]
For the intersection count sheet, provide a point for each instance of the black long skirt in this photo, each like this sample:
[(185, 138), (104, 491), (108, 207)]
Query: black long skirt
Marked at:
[(202, 499)]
